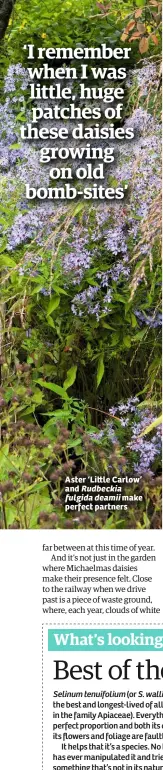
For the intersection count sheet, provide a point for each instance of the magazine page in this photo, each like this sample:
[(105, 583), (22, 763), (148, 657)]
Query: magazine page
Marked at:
[(80, 385)]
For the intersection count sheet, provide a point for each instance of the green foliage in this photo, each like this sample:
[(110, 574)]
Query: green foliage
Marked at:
[(153, 425), (71, 377), (58, 24), (67, 23), (100, 369)]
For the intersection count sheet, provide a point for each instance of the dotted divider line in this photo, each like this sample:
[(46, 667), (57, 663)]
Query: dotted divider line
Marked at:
[(104, 625), (42, 700)]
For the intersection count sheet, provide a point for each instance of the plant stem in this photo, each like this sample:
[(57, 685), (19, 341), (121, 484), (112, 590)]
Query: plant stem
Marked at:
[(25, 512), (4, 514)]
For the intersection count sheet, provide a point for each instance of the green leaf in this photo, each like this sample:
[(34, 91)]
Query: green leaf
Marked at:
[(71, 377), (50, 322), (37, 397), (119, 298), (55, 388), (11, 513), (152, 426), (29, 410), (20, 116), (140, 335), (58, 414), (91, 281), (74, 442), (37, 289), (147, 402), (35, 504), (127, 341), (133, 320), (110, 524), (100, 369), (78, 208), (53, 304), (60, 291), (3, 244), (7, 261), (3, 455), (15, 146), (115, 338)]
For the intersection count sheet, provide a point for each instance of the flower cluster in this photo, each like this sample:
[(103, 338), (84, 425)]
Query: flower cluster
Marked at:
[(115, 240), (28, 223), (153, 320), (145, 75), (126, 425), (17, 77), (77, 258), (147, 449), (144, 449), (91, 301)]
